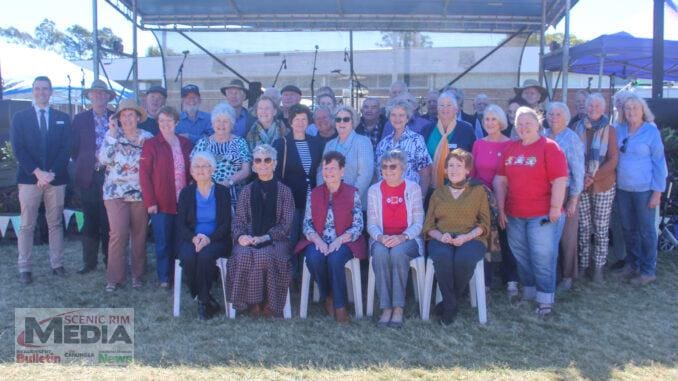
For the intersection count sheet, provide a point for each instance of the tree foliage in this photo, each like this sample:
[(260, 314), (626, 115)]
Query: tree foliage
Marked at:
[(405, 40), (556, 37), (75, 43)]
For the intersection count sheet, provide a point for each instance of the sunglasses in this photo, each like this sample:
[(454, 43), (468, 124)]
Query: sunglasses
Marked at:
[(391, 167), (258, 160), (345, 119), (624, 143)]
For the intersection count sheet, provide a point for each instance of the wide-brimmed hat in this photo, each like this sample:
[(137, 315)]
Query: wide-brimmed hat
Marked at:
[(131, 104), (235, 84), (99, 85), (532, 83)]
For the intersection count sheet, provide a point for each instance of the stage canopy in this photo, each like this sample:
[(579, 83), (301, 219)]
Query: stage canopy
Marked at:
[(21, 64), (477, 16), (620, 55)]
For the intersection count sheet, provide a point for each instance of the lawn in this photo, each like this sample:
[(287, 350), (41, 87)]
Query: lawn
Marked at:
[(611, 331)]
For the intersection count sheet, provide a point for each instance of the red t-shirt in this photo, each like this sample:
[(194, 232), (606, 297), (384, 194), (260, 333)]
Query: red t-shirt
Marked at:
[(393, 209), (530, 170)]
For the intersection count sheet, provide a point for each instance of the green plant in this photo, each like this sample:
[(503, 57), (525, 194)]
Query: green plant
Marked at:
[(6, 152), (670, 138)]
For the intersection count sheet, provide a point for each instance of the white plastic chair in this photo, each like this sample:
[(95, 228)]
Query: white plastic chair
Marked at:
[(418, 267), (353, 288), (230, 311), (476, 287), (176, 311)]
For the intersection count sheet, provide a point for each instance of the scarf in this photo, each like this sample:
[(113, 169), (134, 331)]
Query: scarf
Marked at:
[(441, 152), (260, 135), (601, 133), (262, 204)]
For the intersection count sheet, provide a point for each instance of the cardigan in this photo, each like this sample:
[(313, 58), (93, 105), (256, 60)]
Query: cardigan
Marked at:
[(84, 147), (415, 213), (156, 173), (295, 176), (186, 215)]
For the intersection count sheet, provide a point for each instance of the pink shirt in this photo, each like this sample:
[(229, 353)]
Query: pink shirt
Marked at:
[(486, 158), (179, 170)]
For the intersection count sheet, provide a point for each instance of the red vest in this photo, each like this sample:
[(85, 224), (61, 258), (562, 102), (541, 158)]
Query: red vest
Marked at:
[(342, 207)]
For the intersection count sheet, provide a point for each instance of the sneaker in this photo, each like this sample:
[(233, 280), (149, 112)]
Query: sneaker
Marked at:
[(625, 272), (136, 283), (565, 284), (642, 280), (110, 287), (512, 291), (544, 310)]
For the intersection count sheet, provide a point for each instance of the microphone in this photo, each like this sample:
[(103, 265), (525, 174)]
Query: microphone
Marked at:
[(185, 53), (69, 79), (285, 63), (345, 55)]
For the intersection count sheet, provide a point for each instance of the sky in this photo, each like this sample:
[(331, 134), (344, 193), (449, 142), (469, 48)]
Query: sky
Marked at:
[(589, 19)]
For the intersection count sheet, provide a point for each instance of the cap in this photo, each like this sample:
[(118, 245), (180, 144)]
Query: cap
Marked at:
[(190, 89), (157, 89), (291, 88)]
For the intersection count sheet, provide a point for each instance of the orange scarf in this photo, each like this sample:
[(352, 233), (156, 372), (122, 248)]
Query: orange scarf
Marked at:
[(442, 150)]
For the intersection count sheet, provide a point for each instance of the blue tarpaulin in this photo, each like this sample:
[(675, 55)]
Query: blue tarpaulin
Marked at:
[(620, 55)]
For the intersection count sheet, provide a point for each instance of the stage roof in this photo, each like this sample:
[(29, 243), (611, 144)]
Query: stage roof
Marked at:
[(476, 16)]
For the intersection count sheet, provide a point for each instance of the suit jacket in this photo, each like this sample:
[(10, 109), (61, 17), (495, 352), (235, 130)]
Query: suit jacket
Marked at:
[(25, 136), (468, 118), (295, 176), (186, 215), (84, 147)]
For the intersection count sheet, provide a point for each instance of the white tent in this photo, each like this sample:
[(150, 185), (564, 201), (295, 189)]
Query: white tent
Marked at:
[(21, 64)]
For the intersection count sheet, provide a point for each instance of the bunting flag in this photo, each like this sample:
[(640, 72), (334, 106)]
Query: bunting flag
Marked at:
[(4, 222), (79, 220), (68, 214), (16, 223)]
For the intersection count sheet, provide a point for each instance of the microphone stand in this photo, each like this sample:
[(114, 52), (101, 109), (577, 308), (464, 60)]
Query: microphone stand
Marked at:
[(315, 58), (70, 103), (82, 87), (180, 72), (283, 64)]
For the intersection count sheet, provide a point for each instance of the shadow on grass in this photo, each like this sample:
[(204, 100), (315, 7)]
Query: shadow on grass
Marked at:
[(596, 331)]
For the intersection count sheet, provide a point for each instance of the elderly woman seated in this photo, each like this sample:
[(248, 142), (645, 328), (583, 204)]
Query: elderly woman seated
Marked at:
[(457, 227), (333, 225), (260, 270), (203, 229), (395, 216)]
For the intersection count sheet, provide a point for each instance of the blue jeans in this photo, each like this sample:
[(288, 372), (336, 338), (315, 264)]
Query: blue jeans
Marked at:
[(640, 234), (532, 244), (328, 271), (163, 234), (558, 233)]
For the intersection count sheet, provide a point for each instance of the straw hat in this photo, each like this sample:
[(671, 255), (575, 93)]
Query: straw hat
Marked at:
[(131, 104), (99, 85)]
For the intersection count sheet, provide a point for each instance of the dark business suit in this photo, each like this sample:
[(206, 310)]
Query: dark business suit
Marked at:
[(89, 180), (50, 154)]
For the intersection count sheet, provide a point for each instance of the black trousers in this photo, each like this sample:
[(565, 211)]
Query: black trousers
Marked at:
[(95, 228), (454, 266), (199, 269)]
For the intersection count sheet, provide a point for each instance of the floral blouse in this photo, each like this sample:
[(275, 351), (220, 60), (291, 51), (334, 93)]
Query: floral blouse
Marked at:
[(121, 158), (330, 234)]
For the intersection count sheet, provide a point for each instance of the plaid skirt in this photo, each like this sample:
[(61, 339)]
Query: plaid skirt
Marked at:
[(259, 276)]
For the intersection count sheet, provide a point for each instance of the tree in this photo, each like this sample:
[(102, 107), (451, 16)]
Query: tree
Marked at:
[(154, 51), (78, 43), (405, 40), (111, 44), (14, 35), (48, 36), (556, 37)]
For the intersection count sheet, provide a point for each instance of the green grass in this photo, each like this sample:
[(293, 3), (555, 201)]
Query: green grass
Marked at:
[(611, 331)]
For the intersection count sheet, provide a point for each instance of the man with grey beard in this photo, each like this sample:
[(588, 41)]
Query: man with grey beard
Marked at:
[(193, 123)]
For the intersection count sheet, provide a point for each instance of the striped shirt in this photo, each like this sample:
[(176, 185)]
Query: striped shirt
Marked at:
[(305, 158)]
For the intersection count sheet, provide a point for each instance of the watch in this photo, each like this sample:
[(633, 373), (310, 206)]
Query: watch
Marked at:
[(230, 182)]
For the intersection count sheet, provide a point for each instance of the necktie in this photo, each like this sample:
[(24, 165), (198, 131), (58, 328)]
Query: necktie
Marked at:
[(43, 123), (43, 138)]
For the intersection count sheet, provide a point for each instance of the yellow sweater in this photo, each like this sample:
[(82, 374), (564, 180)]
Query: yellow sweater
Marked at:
[(461, 215)]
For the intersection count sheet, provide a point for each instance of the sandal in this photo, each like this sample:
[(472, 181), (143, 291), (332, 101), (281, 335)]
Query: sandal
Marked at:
[(544, 310)]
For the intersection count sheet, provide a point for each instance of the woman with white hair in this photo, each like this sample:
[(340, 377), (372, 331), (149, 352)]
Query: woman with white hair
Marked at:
[(203, 228), (260, 269), (230, 151), (558, 116), (418, 164), (641, 179), (595, 204)]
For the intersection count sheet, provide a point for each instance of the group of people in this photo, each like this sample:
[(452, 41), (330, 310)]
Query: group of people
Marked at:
[(285, 187)]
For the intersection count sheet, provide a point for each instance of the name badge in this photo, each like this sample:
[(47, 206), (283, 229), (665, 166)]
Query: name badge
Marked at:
[(60, 122), (452, 146)]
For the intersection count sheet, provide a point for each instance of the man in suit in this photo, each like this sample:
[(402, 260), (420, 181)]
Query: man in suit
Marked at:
[(41, 140), (480, 102), (89, 130)]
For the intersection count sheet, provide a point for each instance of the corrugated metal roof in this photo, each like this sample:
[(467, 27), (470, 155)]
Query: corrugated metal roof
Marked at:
[(473, 16)]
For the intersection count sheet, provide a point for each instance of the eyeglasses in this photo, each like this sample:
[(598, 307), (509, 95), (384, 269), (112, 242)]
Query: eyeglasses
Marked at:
[(624, 143), (206, 166), (391, 167), (258, 160), (345, 119)]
